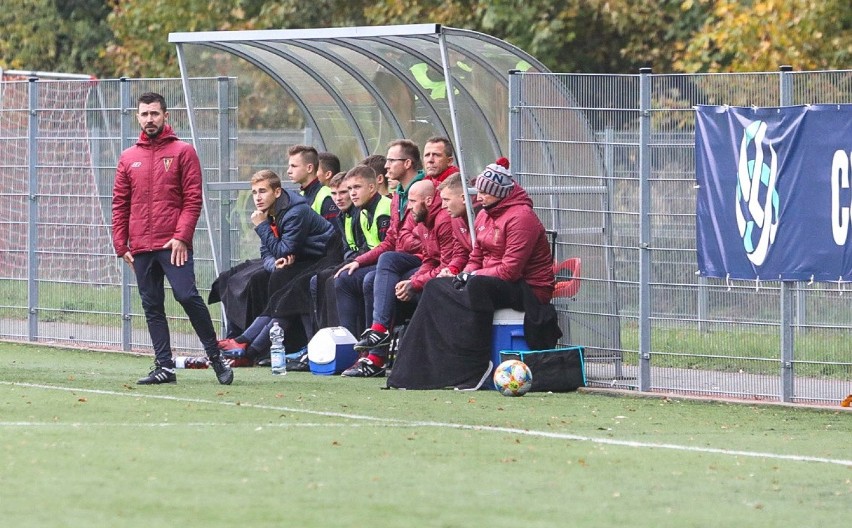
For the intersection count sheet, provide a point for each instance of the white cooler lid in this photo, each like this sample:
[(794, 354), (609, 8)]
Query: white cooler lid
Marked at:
[(507, 316), (323, 346)]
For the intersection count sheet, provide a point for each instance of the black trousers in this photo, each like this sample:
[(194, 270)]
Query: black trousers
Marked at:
[(151, 268)]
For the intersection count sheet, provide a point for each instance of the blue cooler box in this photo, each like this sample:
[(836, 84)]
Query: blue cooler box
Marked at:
[(507, 333), (331, 351)]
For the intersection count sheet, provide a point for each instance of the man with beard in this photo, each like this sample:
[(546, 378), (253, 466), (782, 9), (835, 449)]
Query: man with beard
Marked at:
[(353, 282), (394, 271), (156, 203)]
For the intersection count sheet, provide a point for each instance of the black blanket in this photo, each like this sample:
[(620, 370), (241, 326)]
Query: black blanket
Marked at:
[(448, 341), (243, 291), (289, 288)]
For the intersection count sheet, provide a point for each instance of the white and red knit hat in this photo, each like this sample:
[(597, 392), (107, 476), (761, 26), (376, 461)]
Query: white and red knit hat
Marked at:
[(496, 179)]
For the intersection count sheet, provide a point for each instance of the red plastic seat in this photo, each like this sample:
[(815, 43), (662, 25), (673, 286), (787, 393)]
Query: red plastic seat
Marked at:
[(571, 268)]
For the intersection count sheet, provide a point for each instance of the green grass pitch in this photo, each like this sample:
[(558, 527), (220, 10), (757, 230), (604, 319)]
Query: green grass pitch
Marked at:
[(81, 445)]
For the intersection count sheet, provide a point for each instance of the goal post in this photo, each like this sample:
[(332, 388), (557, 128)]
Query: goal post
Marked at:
[(52, 214)]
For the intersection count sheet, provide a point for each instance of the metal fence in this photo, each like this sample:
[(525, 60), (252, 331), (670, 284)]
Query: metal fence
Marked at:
[(59, 145), (609, 160)]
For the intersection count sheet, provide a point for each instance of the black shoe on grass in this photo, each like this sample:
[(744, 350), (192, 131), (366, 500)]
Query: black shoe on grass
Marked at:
[(158, 375), (224, 373), (364, 368), (299, 364)]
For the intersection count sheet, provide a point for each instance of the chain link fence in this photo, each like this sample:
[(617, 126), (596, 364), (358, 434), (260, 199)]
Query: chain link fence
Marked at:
[(608, 159), (610, 162), (60, 281)]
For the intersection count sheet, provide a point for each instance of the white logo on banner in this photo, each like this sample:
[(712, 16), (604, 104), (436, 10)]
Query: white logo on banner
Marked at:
[(840, 165), (757, 199)]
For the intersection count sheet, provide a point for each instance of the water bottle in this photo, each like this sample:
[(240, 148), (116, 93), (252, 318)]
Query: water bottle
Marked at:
[(276, 353), (191, 362)]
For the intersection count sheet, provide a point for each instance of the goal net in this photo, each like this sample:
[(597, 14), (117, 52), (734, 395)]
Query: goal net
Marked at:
[(72, 242)]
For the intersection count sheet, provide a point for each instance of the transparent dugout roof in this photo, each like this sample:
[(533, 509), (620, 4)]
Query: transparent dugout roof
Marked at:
[(353, 90)]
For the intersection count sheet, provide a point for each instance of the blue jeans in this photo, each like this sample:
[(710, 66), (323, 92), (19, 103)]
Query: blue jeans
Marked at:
[(393, 267), (151, 268), (350, 297)]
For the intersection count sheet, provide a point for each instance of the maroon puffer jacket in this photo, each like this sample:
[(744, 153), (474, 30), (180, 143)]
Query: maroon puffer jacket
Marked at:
[(157, 194), (511, 244)]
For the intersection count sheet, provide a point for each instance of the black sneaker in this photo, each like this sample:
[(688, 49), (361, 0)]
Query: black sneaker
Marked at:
[(372, 339), (364, 368), (223, 372), (299, 364), (263, 362), (158, 375)]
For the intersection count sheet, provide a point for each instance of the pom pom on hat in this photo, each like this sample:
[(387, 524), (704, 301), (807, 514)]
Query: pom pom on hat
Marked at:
[(496, 179)]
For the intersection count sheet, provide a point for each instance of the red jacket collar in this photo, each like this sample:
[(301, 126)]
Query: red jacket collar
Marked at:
[(452, 169)]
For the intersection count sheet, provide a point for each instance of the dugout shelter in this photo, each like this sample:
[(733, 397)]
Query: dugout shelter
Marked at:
[(351, 91), (356, 89)]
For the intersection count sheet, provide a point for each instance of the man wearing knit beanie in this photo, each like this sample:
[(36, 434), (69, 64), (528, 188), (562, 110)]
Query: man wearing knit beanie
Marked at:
[(509, 267), (495, 182)]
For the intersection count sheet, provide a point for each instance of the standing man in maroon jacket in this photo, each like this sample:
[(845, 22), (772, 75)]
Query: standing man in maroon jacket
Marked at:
[(156, 203)]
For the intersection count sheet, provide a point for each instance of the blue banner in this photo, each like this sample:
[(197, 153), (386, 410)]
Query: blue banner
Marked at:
[(774, 195)]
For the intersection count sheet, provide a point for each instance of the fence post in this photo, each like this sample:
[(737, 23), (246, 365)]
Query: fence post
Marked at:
[(609, 255), (515, 117), (32, 216), (125, 142), (787, 337), (644, 229), (703, 309), (223, 98)]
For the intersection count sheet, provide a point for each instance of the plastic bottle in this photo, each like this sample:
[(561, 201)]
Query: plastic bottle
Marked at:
[(276, 352), (191, 362)]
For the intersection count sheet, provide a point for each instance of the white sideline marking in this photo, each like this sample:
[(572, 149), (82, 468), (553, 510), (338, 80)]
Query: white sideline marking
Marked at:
[(394, 422), (155, 425)]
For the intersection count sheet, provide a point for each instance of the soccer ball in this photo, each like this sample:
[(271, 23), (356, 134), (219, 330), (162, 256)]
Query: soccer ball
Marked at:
[(512, 378)]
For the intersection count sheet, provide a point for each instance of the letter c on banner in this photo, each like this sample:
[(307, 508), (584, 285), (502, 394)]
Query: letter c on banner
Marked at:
[(839, 179)]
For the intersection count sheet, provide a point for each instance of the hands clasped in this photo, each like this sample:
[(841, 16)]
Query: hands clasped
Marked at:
[(460, 280), (283, 262)]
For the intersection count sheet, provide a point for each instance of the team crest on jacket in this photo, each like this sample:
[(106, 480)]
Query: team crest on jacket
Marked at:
[(167, 162)]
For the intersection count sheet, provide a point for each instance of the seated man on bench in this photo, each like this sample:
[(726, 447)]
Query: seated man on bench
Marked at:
[(448, 341)]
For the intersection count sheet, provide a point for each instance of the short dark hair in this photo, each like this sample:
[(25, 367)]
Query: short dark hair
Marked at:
[(362, 171), (376, 162), (150, 98), (329, 162), (448, 145), (410, 150), (309, 154)]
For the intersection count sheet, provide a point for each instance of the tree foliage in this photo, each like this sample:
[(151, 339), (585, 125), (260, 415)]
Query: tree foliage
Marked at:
[(140, 46), (130, 37), (763, 35), (53, 35)]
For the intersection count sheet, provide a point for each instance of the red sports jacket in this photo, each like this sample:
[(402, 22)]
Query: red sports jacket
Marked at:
[(157, 194), (511, 244)]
